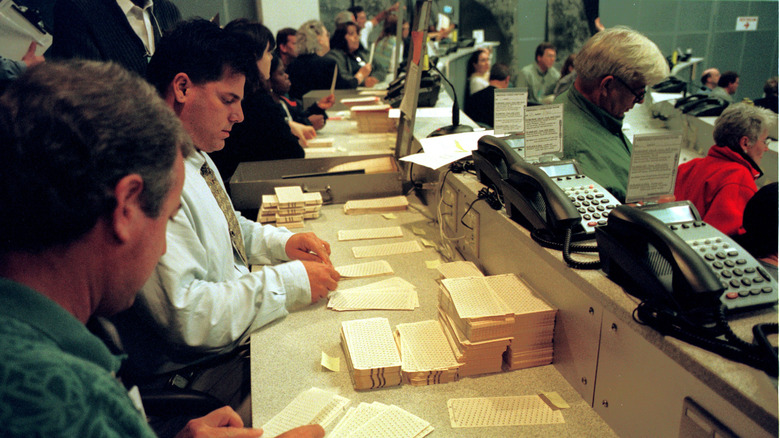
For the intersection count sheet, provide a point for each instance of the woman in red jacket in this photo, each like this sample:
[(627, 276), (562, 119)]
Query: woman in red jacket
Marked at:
[(721, 184)]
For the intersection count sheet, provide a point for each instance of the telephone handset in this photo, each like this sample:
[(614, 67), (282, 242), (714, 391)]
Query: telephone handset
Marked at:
[(550, 197), (701, 105), (665, 253)]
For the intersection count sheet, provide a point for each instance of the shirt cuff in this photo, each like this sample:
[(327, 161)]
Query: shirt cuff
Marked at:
[(296, 284), (278, 247)]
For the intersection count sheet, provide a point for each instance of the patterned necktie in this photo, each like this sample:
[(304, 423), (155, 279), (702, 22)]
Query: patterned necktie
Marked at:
[(227, 210)]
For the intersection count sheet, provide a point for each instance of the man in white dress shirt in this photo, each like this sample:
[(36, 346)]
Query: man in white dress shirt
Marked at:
[(202, 300)]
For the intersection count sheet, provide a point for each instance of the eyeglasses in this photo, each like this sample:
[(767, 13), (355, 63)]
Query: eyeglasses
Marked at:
[(638, 97)]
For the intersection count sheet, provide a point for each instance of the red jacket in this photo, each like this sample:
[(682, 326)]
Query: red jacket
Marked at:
[(719, 185)]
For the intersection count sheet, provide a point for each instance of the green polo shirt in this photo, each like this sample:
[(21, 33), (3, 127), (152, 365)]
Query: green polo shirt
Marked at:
[(595, 139), (56, 378), (538, 83)]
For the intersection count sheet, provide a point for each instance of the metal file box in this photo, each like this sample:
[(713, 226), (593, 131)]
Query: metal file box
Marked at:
[(254, 179)]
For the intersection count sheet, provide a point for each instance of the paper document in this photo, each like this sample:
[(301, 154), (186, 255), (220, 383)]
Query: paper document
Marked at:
[(509, 106), (653, 168), (333, 82), (543, 130), (370, 269)]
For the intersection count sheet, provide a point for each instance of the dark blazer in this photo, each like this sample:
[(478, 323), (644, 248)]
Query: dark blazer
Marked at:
[(99, 30), (311, 72), (480, 106)]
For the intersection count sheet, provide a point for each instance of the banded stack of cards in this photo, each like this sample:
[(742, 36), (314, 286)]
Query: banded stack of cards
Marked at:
[(376, 205), (289, 207), (532, 335), (371, 353), (426, 357), (373, 118), (477, 323)]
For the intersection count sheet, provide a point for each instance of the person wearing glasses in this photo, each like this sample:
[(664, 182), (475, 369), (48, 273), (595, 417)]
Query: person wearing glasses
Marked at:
[(613, 69), (721, 184)]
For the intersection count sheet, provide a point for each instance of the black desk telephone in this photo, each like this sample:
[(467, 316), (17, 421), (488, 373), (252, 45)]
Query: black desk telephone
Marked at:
[(701, 105), (665, 253), (548, 198), (688, 276)]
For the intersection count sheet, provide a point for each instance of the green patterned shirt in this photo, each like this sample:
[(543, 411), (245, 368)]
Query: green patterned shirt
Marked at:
[(56, 378)]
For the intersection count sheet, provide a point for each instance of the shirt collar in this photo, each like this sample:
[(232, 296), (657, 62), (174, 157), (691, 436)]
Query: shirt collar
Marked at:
[(605, 119), (36, 310), (127, 5)]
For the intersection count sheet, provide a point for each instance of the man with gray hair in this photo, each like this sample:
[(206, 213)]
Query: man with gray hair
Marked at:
[(721, 184), (613, 69)]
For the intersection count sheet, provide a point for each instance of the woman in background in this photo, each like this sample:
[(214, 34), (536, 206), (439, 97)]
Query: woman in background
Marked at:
[(311, 70), (477, 70), (264, 134), (352, 61), (314, 115)]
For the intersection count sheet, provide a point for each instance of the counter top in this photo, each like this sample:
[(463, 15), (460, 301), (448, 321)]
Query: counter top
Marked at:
[(286, 354)]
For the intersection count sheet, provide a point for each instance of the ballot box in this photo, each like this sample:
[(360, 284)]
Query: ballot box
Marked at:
[(338, 179)]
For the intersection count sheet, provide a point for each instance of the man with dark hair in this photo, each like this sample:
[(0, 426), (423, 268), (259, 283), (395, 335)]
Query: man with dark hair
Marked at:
[(540, 77), (727, 86), (203, 301), (285, 45), (123, 31), (91, 171), (709, 79), (480, 106)]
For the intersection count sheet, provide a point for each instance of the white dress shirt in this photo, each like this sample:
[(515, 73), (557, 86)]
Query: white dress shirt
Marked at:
[(202, 298), (140, 22)]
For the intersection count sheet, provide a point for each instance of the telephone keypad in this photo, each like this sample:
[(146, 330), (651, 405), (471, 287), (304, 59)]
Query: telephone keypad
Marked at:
[(741, 280), (592, 202)]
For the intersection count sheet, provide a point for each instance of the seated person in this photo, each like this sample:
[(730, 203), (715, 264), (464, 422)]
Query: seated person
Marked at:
[(540, 77), (386, 43), (101, 202), (568, 74), (314, 116), (285, 45), (346, 50), (709, 80), (769, 101), (477, 70), (613, 69), (727, 86), (202, 300), (311, 70), (720, 184), (264, 134), (760, 223), (480, 106)]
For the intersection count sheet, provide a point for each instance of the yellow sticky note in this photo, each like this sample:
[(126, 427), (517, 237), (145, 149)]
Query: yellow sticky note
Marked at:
[(432, 264), (554, 400), (428, 243), (460, 148), (389, 216), (418, 231), (331, 363)]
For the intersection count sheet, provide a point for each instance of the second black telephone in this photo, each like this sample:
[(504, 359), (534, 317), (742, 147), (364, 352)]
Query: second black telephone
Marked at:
[(549, 198), (665, 253)]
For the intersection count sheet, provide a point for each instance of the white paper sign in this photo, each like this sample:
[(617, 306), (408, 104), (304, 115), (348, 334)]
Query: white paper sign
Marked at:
[(653, 168), (747, 23), (543, 130), (508, 107)]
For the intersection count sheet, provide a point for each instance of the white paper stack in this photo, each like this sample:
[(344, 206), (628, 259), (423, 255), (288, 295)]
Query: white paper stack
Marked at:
[(380, 420), (426, 356), (373, 118), (294, 207), (477, 323), (532, 336), (371, 353), (376, 205), (314, 406)]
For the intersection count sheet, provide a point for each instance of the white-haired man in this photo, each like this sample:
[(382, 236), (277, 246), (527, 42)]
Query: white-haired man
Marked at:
[(613, 69)]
